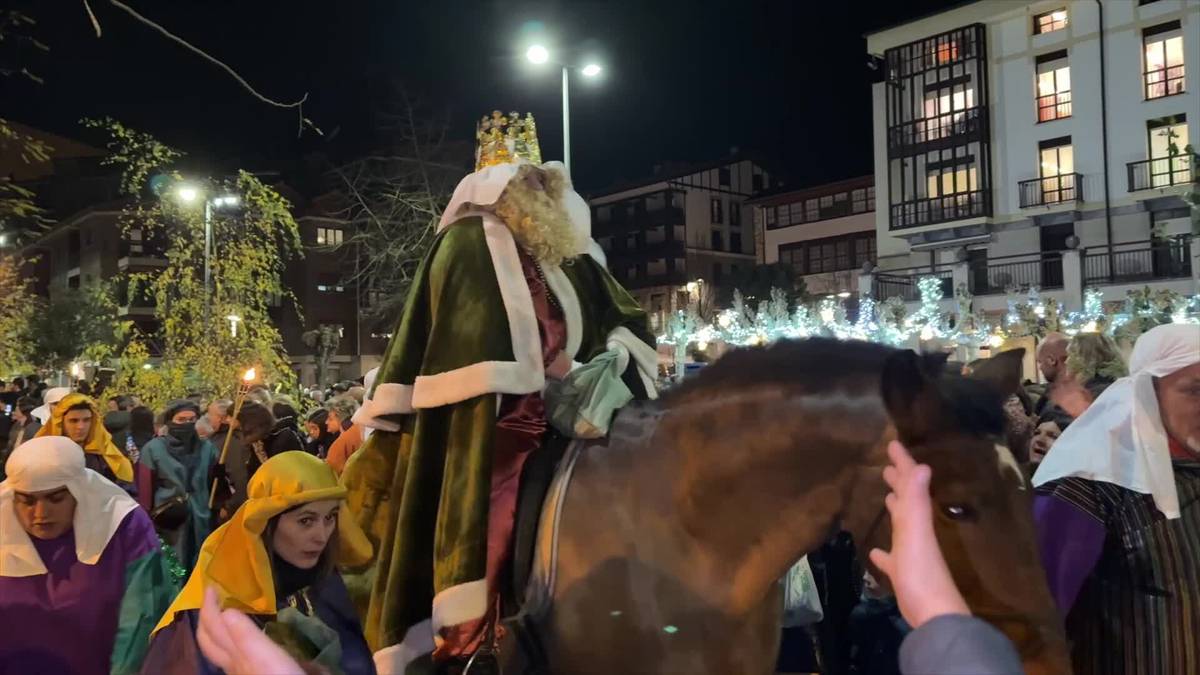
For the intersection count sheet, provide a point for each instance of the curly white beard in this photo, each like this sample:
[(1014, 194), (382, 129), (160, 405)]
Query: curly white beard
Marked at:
[(538, 219)]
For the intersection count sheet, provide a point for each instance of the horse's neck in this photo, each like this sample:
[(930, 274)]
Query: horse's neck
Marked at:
[(766, 476)]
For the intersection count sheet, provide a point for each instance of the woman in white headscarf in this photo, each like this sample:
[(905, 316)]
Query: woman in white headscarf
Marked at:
[(1118, 514), (82, 578)]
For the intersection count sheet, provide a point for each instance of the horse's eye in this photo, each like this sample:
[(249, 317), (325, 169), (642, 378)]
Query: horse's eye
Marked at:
[(958, 512)]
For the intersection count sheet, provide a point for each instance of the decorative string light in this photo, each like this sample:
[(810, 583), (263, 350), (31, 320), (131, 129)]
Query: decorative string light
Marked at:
[(888, 322)]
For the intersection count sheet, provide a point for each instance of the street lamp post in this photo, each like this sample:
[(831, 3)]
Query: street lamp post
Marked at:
[(189, 194), (537, 54)]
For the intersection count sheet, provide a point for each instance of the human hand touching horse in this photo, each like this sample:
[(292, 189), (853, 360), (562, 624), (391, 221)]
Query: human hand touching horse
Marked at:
[(915, 565)]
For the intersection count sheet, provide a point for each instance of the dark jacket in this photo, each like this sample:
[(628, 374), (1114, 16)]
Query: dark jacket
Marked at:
[(32, 426), (283, 437)]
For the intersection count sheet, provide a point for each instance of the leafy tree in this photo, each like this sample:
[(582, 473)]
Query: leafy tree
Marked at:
[(17, 305), (251, 243), (76, 324)]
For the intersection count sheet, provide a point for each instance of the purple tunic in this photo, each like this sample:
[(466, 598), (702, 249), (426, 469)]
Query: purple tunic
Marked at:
[(65, 621)]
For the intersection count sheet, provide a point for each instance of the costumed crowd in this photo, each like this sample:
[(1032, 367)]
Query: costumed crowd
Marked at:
[(376, 532)]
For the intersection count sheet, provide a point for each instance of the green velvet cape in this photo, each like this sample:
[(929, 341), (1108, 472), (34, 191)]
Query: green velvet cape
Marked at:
[(420, 485)]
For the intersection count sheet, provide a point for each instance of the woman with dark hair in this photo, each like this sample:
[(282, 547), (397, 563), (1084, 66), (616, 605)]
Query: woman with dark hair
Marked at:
[(277, 561), (319, 437)]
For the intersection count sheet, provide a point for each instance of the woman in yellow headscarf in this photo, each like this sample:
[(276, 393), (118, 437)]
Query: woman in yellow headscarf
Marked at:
[(277, 560), (78, 418)]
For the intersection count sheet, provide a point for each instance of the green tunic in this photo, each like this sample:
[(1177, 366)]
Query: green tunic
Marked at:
[(420, 485)]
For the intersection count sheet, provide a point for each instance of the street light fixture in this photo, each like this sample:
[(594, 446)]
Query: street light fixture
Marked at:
[(188, 193), (538, 54)]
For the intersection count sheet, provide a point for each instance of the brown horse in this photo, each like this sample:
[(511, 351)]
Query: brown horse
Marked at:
[(675, 531)]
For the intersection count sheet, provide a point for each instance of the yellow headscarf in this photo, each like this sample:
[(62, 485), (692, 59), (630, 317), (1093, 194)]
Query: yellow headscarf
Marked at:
[(234, 560), (98, 442)]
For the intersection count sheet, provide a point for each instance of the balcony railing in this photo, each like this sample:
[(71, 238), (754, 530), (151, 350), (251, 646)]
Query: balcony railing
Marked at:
[(947, 125), (902, 283), (1044, 270), (1149, 174), (931, 210), (1164, 81), (1138, 261), (1054, 106), (1067, 187)]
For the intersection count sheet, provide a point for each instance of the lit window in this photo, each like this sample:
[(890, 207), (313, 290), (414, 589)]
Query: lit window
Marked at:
[(1169, 164), (1053, 87), (811, 210), (944, 51), (1057, 170), (1164, 74), (871, 199), (769, 213), (941, 184), (946, 112), (1050, 21), (328, 236)]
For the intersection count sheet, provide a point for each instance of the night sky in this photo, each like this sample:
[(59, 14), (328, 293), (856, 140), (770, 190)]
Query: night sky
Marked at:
[(684, 81)]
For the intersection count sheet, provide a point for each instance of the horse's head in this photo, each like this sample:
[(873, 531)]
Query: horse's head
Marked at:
[(982, 502)]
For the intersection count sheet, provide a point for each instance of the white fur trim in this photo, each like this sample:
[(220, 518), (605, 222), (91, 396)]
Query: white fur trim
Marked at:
[(485, 377), (597, 253), (643, 355), (418, 640), (389, 398), (459, 604), (568, 299)]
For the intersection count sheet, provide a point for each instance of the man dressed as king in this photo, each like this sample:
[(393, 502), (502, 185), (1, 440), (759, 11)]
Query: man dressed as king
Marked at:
[(512, 295)]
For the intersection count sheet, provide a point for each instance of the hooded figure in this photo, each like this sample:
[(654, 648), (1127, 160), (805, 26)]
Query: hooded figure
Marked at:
[(101, 455), (1118, 511), (276, 560), (82, 579), (50, 398), (179, 465)]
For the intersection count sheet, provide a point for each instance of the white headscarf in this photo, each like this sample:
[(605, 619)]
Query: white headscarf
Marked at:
[(48, 463), (49, 399), (484, 187), (1120, 439)]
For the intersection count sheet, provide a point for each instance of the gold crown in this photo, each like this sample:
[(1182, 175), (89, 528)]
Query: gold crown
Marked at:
[(501, 139)]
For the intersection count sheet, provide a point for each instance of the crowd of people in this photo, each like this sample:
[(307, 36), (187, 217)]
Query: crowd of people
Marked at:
[(372, 533)]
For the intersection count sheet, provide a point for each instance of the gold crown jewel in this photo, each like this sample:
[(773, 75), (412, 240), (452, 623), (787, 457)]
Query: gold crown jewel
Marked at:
[(502, 139)]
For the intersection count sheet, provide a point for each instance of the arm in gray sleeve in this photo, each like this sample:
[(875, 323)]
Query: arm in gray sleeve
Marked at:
[(954, 644)]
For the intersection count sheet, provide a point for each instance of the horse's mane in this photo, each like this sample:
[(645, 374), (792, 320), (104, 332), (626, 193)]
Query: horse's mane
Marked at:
[(817, 364)]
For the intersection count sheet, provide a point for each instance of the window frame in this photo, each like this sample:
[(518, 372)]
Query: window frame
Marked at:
[(1058, 187), (1057, 104), (326, 235), (1160, 35), (716, 211), (1050, 27)]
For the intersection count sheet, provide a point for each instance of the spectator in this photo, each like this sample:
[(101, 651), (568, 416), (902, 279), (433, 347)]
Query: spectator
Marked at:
[(1049, 427), (117, 419), (233, 462), (341, 410), (26, 427), (1051, 360), (284, 410), (261, 436), (319, 437), (141, 428), (357, 393), (50, 398), (179, 464)]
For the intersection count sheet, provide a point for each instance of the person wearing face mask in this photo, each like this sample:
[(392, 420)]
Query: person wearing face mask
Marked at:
[(276, 561), (82, 577), (180, 465)]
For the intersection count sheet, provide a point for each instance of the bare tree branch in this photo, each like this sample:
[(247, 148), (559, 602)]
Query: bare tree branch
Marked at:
[(298, 105)]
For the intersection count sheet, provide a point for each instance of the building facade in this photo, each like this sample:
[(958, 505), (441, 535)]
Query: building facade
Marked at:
[(1038, 144), (825, 233), (85, 244), (682, 233)]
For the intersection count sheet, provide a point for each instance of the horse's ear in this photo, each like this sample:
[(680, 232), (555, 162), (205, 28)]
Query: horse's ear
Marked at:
[(910, 392), (1002, 372)]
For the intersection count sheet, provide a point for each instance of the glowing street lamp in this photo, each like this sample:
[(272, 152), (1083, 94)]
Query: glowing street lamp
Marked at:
[(234, 320), (188, 193), (538, 55)]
